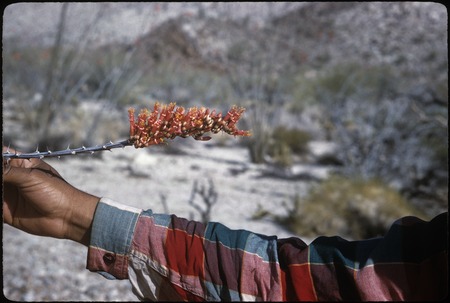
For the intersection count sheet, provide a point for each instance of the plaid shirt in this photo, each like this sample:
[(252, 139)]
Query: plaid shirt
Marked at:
[(170, 258)]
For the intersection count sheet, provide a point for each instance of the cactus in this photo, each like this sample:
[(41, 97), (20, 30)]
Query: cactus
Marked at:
[(155, 127)]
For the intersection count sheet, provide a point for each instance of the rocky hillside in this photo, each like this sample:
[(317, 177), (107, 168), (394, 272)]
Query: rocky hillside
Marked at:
[(409, 36)]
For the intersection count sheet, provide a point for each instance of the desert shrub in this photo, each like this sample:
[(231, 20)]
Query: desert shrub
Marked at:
[(21, 65), (257, 146), (352, 208), (208, 197), (285, 143), (46, 86), (258, 119), (281, 155), (186, 83), (280, 143), (295, 139), (383, 128), (339, 82), (346, 80)]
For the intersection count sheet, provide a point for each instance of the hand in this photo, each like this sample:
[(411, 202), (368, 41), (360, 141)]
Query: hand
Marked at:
[(37, 200)]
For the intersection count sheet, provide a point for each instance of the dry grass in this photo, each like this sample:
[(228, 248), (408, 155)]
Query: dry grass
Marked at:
[(352, 208)]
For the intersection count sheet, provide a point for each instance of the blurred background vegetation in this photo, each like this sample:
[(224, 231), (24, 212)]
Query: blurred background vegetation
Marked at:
[(371, 78)]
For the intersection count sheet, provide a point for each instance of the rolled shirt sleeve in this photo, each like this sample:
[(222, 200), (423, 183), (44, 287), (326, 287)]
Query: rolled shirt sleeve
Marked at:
[(112, 232), (171, 258)]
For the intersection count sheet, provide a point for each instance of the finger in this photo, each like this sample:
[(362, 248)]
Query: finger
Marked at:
[(18, 162), (28, 163), (10, 202), (16, 175), (7, 149)]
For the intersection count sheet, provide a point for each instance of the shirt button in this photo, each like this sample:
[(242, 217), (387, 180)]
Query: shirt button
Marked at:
[(109, 258)]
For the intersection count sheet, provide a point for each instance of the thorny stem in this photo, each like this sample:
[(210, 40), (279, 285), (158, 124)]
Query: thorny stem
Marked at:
[(67, 152)]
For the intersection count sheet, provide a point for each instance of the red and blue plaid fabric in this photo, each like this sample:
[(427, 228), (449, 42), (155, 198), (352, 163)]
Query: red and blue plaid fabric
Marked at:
[(170, 258)]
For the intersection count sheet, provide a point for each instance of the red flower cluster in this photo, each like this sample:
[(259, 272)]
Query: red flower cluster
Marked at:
[(170, 121)]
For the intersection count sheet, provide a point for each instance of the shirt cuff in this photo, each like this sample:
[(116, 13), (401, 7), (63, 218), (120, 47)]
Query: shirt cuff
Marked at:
[(112, 232)]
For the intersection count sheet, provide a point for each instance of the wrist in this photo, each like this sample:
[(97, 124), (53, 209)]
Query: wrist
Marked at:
[(81, 217)]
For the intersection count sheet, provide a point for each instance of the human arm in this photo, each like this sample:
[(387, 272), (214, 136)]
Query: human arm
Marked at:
[(37, 200), (171, 258)]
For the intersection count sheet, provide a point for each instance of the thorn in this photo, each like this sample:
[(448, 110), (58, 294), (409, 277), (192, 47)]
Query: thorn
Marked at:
[(83, 147), (37, 149), (59, 157), (68, 147), (73, 152), (41, 157)]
